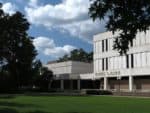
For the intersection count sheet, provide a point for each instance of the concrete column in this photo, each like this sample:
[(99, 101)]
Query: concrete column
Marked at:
[(62, 84), (78, 84), (130, 83), (105, 83)]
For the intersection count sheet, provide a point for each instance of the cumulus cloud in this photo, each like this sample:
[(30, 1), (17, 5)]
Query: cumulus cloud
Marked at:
[(47, 47), (33, 3), (69, 15), (9, 8)]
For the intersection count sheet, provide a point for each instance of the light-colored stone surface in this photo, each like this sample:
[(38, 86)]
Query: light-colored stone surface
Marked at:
[(71, 70), (117, 65)]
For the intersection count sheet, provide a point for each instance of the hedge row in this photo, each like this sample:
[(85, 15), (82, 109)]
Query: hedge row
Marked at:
[(98, 92)]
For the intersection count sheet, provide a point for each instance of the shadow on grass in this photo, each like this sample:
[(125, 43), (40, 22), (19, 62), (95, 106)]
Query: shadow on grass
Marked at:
[(39, 112), (13, 104), (76, 112), (8, 110), (7, 96), (55, 112)]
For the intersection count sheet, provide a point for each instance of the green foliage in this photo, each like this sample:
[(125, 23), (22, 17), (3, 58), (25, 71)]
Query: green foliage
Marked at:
[(126, 16), (45, 79), (78, 55), (17, 52), (98, 92)]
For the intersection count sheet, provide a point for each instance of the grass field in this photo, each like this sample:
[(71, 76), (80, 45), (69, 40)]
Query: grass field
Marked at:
[(74, 104)]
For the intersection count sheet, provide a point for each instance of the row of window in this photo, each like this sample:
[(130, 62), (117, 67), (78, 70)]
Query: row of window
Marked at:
[(107, 44), (122, 62), (103, 46)]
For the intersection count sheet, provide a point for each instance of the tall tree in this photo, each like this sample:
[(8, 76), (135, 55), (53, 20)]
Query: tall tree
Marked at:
[(126, 16), (45, 79), (78, 55), (17, 52)]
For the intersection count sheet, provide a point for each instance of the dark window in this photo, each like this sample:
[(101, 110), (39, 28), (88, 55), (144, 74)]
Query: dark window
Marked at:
[(106, 63), (106, 44), (102, 64), (102, 45), (127, 61), (132, 61)]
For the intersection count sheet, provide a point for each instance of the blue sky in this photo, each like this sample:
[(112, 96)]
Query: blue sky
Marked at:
[(59, 26)]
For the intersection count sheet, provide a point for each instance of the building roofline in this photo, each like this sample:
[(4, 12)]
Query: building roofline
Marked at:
[(105, 35), (69, 61)]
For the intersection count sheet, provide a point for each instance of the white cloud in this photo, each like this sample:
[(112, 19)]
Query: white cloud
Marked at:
[(85, 29), (47, 47), (9, 8), (69, 15), (33, 3)]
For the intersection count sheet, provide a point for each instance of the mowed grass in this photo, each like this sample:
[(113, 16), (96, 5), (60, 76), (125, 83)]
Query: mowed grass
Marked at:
[(74, 104)]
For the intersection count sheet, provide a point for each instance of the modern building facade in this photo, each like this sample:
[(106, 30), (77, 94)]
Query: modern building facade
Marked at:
[(129, 72), (72, 74)]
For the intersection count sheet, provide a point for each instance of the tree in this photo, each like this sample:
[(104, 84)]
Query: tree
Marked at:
[(126, 16), (78, 55), (45, 79), (17, 53)]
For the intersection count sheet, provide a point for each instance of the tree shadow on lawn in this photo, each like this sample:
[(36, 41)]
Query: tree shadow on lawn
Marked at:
[(7, 96), (13, 104), (55, 112), (18, 105), (8, 110), (76, 112)]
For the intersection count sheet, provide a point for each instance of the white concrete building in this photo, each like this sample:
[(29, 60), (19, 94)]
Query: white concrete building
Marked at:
[(71, 74), (129, 72)]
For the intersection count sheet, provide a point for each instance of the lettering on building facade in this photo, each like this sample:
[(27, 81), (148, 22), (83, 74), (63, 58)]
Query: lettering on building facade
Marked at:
[(108, 73)]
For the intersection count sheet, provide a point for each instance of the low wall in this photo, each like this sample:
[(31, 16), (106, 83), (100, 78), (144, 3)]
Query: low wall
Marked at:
[(144, 94)]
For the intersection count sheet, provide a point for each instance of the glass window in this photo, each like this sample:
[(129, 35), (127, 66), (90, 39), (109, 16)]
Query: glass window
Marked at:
[(127, 61), (106, 41), (132, 61), (106, 63), (102, 45), (103, 64)]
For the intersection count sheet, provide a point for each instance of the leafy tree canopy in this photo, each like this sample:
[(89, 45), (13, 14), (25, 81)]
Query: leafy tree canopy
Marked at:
[(78, 55), (45, 79), (126, 16), (17, 52)]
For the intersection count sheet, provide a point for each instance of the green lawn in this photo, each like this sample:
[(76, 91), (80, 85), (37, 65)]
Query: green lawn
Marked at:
[(74, 104)]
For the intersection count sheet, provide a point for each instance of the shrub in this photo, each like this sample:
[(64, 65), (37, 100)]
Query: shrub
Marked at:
[(98, 92)]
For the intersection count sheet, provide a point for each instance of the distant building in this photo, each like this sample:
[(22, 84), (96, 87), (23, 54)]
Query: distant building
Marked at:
[(111, 71), (72, 75), (129, 72)]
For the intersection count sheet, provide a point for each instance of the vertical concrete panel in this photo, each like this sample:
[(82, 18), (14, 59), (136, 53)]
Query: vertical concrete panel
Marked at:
[(138, 59), (138, 39), (148, 37), (143, 55), (148, 59)]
